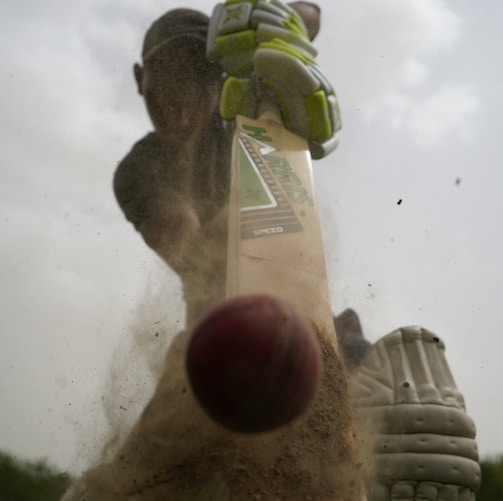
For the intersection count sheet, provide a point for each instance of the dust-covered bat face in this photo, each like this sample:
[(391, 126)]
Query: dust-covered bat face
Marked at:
[(181, 88)]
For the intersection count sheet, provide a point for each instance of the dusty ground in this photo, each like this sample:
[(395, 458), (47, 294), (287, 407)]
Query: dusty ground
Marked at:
[(176, 452)]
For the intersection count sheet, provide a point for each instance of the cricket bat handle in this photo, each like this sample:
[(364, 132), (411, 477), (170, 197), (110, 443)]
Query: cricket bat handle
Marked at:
[(268, 109)]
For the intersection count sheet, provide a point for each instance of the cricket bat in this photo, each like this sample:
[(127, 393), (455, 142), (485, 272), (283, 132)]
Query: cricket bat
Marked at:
[(275, 242)]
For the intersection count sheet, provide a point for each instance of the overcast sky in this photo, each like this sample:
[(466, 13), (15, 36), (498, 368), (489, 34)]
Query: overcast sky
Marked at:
[(81, 296)]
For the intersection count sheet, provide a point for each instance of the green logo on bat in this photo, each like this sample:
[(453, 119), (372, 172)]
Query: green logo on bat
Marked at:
[(257, 152)]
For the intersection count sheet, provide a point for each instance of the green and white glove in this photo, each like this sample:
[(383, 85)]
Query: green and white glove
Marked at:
[(264, 48)]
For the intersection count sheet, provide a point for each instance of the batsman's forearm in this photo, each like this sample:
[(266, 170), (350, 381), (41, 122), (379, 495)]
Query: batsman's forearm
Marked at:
[(310, 14)]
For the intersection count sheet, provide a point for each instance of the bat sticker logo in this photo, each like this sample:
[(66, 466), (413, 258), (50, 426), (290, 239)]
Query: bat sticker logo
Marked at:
[(265, 210)]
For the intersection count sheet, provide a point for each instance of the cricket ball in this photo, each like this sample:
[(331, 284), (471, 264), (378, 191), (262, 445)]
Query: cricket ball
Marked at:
[(254, 363)]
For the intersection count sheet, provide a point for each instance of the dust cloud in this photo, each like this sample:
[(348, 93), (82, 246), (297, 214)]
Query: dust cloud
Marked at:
[(137, 361), (161, 445)]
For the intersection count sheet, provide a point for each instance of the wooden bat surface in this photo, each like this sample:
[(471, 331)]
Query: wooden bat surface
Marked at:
[(275, 241)]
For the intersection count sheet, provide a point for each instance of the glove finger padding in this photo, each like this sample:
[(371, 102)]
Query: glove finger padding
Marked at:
[(412, 421), (237, 28), (308, 103)]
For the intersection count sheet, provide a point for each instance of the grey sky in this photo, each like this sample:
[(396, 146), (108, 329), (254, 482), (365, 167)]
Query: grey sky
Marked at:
[(420, 88)]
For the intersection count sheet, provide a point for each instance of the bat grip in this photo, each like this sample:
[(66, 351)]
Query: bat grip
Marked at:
[(268, 109)]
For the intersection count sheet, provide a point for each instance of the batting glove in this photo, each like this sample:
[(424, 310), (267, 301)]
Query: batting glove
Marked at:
[(264, 45)]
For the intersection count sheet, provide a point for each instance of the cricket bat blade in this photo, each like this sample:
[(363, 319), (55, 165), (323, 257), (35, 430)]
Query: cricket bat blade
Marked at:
[(275, 242)]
